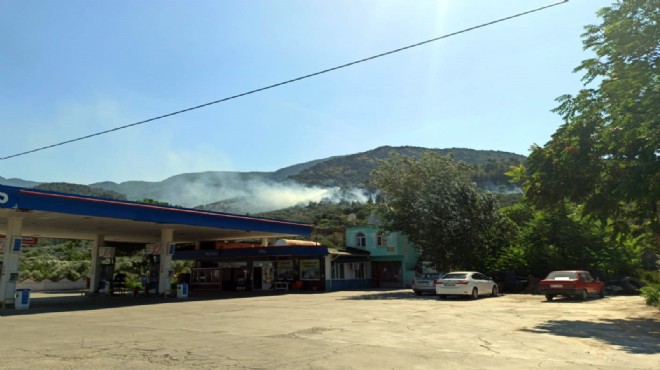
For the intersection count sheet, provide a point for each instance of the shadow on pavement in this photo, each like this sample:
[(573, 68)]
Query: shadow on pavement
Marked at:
[(47, 302), (384, 294), (639, 336)]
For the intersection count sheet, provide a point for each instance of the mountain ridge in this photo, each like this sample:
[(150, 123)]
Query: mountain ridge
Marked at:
[(337, 177)]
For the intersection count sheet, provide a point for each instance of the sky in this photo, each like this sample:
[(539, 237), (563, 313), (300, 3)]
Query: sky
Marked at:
[(77, 67)]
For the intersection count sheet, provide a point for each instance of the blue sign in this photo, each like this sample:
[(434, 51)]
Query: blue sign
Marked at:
[(16, 245), (25, 296)]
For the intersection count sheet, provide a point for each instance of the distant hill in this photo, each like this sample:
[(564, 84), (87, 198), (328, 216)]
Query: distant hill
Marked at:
[(64, 187), (355, 170), (18, 182), (340, 178)]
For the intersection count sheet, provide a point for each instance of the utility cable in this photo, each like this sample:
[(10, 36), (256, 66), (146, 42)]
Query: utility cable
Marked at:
[(286, 82)]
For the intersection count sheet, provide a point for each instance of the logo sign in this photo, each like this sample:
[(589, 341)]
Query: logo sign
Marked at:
[(4, 198), (30, 240)]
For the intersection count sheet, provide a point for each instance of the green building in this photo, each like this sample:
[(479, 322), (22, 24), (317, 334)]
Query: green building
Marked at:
[(392, 257)]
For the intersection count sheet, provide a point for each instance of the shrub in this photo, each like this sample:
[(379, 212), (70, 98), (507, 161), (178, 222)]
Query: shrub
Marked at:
[(652, 294)]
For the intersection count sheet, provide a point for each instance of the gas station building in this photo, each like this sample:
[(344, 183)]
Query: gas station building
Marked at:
[(109, 224)]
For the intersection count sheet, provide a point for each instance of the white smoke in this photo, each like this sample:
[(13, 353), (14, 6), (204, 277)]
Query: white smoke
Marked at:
[(253, 194)]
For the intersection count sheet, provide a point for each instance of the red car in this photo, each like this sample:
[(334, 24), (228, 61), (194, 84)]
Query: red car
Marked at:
[(574, 283)]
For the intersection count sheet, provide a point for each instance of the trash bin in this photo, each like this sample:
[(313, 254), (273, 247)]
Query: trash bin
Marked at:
[(22, 299), (182, 290)]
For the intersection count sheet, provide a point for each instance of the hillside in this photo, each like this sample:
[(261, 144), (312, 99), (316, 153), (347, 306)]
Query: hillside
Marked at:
[(339, 178), (355, 170), (18, 182)]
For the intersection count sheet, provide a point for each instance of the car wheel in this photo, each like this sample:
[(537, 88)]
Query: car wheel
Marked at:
[(418, 293), (549, 297), (584, 295), (495, 291), (475, 293), (601, 294)]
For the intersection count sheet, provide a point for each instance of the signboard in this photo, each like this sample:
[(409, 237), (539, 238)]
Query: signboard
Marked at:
[(27, 240), (16, 244), (106, 252), (30, 240), (153, 249)]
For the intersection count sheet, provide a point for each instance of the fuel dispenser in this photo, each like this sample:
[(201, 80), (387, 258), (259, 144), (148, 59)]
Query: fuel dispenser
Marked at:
[(107, 257), (153, 266)]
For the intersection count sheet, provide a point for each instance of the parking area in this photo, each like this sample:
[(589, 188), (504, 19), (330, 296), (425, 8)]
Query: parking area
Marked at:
[(391, 329)]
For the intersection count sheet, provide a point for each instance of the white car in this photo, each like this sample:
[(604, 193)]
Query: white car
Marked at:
[(469, 283)]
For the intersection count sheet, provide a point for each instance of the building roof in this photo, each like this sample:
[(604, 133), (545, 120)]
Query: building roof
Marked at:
[(53, 214)]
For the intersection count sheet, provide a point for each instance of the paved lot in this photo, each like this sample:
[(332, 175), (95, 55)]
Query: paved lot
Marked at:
[(339, 330)]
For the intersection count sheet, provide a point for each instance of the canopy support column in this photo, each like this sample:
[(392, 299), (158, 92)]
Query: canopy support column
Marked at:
[(95, 275), (12, 251), (166, 273)]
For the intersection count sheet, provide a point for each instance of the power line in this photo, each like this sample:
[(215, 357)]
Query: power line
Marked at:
[(285, 82)]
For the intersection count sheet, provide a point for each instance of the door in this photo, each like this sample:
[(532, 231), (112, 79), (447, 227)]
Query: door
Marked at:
[(257, 273)]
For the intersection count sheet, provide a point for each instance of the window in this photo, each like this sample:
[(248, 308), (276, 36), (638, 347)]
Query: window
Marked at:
[(359, 270), (361, 240), (338, 271), (381, 240)]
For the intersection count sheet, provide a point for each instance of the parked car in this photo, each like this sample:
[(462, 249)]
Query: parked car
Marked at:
[(575, 283), (425, 283), (469, 283)]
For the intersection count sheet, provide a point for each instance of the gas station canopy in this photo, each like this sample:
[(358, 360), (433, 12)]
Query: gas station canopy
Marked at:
[(59, 215)]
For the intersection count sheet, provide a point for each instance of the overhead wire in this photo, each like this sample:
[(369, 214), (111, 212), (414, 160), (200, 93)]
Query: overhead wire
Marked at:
[(285, 82)]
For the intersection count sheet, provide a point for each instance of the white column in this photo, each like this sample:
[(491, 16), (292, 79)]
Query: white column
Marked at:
[(95, 275), (166, 238), (10, 263)]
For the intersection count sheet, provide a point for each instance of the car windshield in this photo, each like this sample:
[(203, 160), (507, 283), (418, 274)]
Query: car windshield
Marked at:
[(562, 275), (455, 276)]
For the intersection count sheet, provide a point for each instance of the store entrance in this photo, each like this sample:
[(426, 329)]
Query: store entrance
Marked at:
[(258, 278)]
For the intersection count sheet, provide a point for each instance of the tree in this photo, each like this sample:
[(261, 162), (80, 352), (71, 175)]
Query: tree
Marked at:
[(433, 201), (606, 154)]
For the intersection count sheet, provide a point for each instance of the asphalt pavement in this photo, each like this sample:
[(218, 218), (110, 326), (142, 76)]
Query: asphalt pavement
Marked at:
[(376, 329)]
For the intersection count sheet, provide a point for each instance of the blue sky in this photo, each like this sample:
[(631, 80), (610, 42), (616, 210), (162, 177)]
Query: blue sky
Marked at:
[(76, 67)]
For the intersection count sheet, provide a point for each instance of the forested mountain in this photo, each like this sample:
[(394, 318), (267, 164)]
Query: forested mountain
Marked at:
[(64, 187), (252, 192), (355, 170)]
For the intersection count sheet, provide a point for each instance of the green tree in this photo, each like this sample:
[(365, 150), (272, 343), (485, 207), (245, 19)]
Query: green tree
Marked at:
[(562, 238), (606, 154), (433, 201)]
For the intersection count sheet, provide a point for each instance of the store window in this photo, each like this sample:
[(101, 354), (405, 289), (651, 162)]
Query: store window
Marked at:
[(310, 269)]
